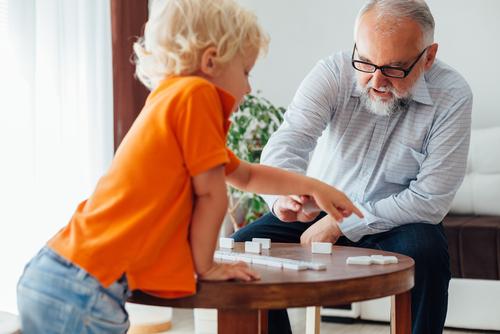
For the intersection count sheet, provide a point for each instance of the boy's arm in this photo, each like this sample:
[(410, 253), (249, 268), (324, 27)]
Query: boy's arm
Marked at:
[(270, 180), (210, 205)]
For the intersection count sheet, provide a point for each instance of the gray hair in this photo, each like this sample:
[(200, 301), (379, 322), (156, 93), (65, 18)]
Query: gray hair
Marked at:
[(416, 10)]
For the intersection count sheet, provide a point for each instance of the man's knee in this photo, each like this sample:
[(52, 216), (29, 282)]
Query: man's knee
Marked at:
[(268, 226), (246, 233), (426, 244)]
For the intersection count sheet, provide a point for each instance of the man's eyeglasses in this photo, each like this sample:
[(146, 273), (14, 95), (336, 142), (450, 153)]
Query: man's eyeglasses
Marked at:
[(388, 71)]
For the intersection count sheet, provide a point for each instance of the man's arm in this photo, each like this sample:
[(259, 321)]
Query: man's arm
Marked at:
[(427, 198), (311, 110)]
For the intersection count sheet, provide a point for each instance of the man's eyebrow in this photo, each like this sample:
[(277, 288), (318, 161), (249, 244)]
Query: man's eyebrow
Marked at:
[(397, 64), (393, 64), (363, 58)]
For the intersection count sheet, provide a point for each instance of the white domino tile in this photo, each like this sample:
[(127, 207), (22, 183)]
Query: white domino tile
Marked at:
[(379, 259), (274, 263), (246, 259), (363, 260), (265, 242), (228, 257), (321, 247), (310, 207), (253, 247), (226, 243), (294, 266), (314, 265), (373, 259), (259, 260), (392, 259)]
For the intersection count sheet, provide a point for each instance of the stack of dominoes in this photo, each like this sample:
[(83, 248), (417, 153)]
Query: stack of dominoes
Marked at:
[(270, 261)]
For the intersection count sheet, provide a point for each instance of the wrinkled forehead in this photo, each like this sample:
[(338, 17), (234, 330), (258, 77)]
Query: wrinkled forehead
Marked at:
[(387, 39)]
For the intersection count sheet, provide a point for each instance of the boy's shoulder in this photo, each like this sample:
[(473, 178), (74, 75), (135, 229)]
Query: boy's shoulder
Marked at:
[(183, 90), (187, 84)]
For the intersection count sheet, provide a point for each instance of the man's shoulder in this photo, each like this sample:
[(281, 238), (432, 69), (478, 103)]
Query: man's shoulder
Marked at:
[(444, 79), (337, 66), (340, 60)]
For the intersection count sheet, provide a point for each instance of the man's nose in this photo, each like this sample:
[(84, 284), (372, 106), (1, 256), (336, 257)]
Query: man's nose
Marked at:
[(378, 79)]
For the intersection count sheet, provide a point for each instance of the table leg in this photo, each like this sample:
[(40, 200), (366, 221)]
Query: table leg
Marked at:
[(313, 319), (401, 313), (242, 321)]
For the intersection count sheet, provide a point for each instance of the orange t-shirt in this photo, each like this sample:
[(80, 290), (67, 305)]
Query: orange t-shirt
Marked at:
[(137, 220)]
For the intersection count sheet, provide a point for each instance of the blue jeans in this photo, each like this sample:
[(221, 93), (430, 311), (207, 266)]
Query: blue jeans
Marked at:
[(55, 296), (425, 243)]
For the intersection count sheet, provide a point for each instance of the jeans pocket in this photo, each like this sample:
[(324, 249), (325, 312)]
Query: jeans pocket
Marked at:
[(41, 313), (107, 315)]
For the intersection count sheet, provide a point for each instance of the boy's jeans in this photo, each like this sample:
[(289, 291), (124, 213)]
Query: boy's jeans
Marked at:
[(55, 296)]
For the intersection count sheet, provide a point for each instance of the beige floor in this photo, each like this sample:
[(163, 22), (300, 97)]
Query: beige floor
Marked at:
[(182, 322)]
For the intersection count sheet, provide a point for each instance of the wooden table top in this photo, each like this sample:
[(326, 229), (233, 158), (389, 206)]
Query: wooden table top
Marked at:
[(280, 288)]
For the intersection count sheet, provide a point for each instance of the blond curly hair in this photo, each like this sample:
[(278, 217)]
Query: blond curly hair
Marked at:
[(178, 31)]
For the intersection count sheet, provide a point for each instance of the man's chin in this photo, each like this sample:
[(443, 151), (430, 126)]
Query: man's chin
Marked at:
[(383, 103), (379, 106)]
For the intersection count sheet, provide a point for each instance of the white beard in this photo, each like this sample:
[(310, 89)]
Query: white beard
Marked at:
[(377, 106)]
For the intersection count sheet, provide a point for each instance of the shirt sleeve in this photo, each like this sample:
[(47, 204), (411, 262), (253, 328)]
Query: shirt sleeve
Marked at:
[(200, 131), (428, 198), (311, 110), (233, 163)]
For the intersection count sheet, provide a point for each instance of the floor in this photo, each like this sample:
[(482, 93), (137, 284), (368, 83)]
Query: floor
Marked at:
[(182, 322)]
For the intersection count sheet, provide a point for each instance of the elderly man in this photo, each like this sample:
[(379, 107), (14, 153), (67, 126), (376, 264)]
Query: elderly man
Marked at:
[(389, 125)]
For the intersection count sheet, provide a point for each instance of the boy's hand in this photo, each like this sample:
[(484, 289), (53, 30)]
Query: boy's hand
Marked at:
[(227, 271), (334, 202)]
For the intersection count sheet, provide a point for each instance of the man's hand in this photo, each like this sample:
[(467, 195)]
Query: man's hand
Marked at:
[(289, 209), (324, 230)]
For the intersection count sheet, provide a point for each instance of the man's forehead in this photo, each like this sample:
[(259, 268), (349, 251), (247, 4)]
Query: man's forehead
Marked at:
[(403, 31), (390, 42), (383, 56)]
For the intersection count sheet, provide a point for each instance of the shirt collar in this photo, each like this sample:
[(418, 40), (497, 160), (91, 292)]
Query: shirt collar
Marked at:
[(227, 101), (228, 105), (420, 92)]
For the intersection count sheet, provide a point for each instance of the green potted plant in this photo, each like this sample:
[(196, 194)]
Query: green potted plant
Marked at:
[(252, 125)]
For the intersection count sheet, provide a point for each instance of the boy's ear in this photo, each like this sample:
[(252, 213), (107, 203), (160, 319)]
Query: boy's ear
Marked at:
[(208, 65)]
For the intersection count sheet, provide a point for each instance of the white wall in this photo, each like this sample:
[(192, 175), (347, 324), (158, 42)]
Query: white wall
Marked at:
[(304, 31)]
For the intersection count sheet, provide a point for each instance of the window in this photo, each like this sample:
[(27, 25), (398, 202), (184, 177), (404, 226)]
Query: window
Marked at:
[(56, 131)]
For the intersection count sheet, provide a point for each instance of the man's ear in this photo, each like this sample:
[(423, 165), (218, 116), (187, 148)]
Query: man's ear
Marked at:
[(430, 56), (208, 64)]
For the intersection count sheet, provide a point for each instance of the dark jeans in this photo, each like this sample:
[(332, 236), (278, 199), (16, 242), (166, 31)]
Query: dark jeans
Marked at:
[(425, 243)]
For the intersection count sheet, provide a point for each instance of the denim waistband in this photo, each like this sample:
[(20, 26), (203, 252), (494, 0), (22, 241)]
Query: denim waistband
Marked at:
[(117, 290)]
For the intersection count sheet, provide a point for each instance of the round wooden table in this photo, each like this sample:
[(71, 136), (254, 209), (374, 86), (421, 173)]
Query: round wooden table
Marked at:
[(242, 306)]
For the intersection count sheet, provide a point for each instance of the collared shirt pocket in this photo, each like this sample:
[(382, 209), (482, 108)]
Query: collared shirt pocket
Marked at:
[(402, 165)]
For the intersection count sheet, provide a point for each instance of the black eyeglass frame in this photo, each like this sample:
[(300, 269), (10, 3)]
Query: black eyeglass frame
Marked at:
[(383, 68)]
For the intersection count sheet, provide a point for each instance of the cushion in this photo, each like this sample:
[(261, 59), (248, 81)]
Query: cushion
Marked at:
[(479, 194), (474, 246)]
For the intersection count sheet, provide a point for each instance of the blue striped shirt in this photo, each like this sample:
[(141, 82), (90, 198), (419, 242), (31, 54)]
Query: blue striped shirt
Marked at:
[(398, 169)]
